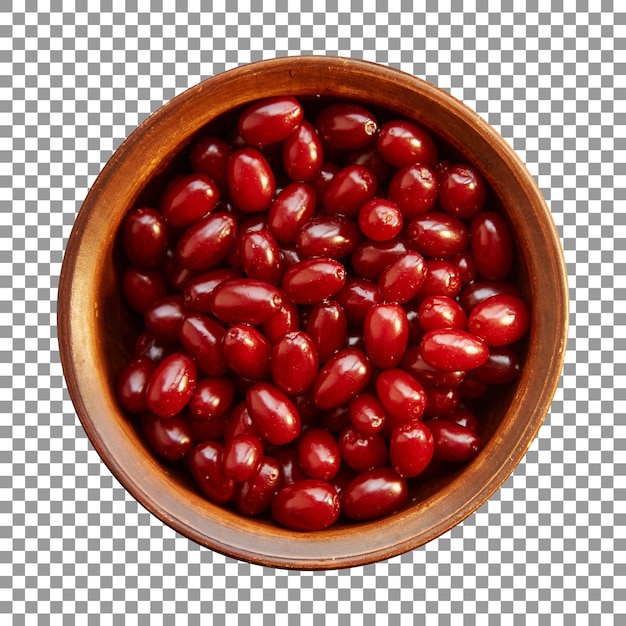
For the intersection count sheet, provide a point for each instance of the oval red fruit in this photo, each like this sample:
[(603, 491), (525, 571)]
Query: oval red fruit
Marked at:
[(310, 504)]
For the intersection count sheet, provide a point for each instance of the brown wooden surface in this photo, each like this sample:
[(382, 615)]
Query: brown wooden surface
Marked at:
[(95, 330)]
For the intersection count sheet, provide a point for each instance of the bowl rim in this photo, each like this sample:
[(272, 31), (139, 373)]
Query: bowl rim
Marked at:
[(234, 536)]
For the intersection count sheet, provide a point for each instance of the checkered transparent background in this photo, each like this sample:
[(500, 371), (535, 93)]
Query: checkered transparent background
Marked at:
[(77, 77)]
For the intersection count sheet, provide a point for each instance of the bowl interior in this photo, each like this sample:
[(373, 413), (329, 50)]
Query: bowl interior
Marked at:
[(96, 330)]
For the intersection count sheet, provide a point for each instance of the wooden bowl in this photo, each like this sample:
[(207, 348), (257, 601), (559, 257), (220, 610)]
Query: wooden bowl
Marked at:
[(95, 330)]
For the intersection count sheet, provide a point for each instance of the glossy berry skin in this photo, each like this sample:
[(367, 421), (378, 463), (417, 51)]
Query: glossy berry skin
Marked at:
[(270, 120), (142, 288), (250, 223), (212, 398), (169, 438), (290, 256), (402, 143), (179, 276), (171, 385), (242, 456), (233, 257), (283, 321), (411, 448), (499, 320), (197, 291), (309, 505), (442, 279), (350, 188), (380, 219), (321, 181), (426, 374), (438, 235), (251, 182), (328, 329), (453, 442), (187, 199), (386, 334), (207, 242), (245, 301), (165, 317), (401, 395), (209, 156), (401, 280), (415, 329), (260, 256), (293, 207), (355, 338), (342, 479), (239, 422), (370, 258), (367, 414), (206, 463), (441, 401), (491, 245), (480, 290), (318, 454), (132, 382), (294, 363), (462, 191), (303, 153), (256, 493), (441, 312), (201, 336), (451, 349), (332, 236), (346, 126), (247, 351), (290, 470), (145, 237), (273, 413), (341, 378), (466, 265), (369, 157), (414, 190), (374, 494), (313, 280), (362, 452), (356, 298)]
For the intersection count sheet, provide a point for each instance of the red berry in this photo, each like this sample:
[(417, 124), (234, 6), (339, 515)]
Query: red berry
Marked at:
[(294, 362), (145, 237), (462, 191), (411, 448), (380, 219), (270, 120), (310, 504), (402, 143), (171, 385), (343, 376), (374, 494), (346, 126)]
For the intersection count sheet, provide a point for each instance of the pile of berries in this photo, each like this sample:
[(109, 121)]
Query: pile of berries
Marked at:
[(324, 298)]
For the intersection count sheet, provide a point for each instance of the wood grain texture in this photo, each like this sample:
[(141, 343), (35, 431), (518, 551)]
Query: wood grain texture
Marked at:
[(95, 330)]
